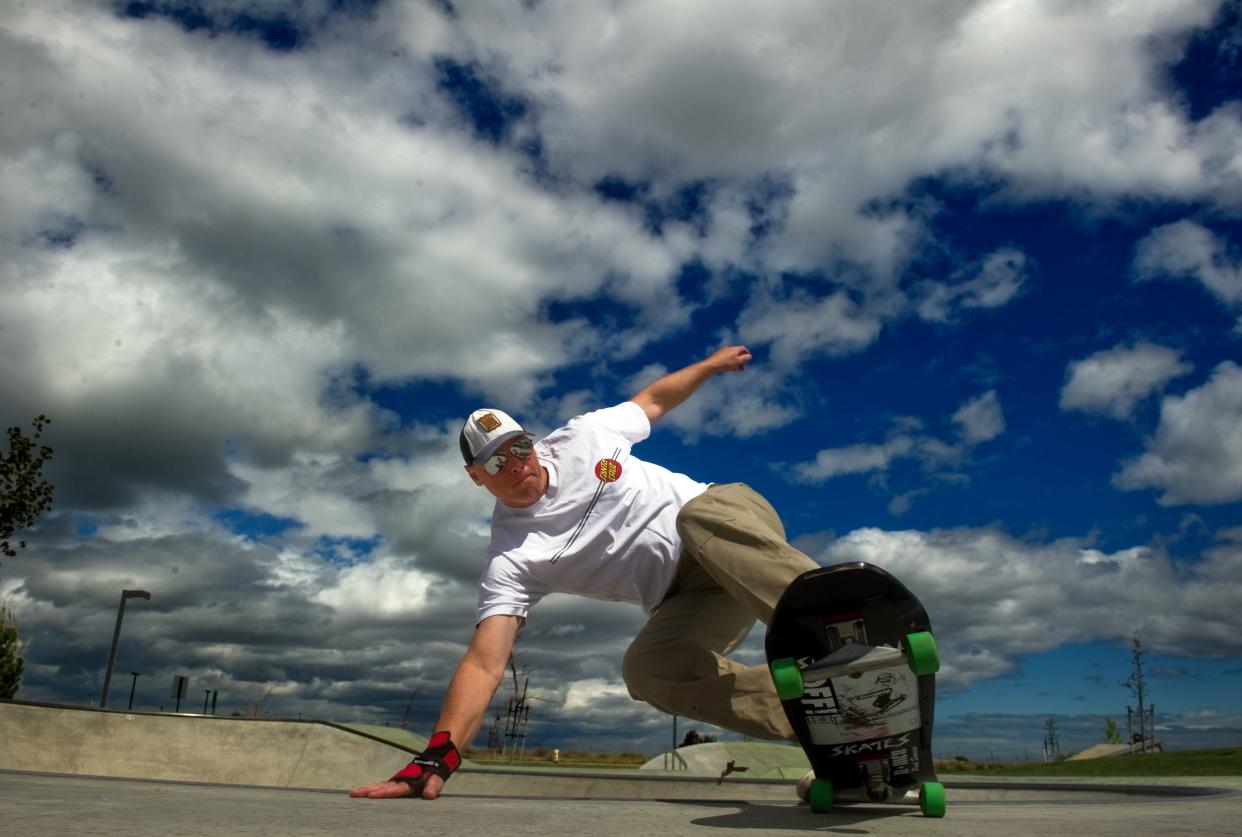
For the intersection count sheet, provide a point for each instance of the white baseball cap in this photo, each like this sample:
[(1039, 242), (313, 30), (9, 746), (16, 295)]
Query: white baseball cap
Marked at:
[(485, 430)]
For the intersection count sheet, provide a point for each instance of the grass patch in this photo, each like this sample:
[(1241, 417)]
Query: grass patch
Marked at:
[(1226, 761)]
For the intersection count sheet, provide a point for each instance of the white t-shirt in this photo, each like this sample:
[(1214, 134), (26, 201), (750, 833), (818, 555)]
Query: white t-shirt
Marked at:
[(605, 529)]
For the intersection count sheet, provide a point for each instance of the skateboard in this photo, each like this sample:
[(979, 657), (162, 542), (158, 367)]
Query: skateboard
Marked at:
[(853, 659)]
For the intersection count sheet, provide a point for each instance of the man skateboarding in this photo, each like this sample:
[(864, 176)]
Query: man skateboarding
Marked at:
[(576, 512)]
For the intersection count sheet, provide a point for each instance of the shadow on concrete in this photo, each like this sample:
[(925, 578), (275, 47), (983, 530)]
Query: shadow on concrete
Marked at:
[(792, 817)]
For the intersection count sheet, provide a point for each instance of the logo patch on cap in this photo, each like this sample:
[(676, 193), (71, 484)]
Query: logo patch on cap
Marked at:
[(608, 470), (488, 422)]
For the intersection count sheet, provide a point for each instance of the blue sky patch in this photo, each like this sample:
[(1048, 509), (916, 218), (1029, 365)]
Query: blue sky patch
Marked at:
[(278, 32), (490, 112), (254, 525), (1209, 73)]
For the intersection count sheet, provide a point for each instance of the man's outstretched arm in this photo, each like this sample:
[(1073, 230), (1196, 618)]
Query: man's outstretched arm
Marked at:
[(666, 393), (469, 693)]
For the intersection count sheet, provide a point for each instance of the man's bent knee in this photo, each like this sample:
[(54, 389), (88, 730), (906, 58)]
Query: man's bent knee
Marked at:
[(651, 672), (636, 672)]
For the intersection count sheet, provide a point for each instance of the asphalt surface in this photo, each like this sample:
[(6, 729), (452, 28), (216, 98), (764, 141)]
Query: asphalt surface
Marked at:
[(38, 805)]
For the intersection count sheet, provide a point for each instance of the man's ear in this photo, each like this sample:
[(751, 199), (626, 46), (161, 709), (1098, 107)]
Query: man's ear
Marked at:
[(473, 475)]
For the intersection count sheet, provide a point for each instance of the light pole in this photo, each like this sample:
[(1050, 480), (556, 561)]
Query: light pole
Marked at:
[(133, 686), (116, 638)]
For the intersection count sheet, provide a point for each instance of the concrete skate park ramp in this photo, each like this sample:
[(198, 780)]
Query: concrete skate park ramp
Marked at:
[(754, 759), (297, 755), (198, 748), (1101, 751)]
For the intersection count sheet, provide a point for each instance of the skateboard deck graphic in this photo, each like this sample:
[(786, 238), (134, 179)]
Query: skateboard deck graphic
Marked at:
[(854, 662)]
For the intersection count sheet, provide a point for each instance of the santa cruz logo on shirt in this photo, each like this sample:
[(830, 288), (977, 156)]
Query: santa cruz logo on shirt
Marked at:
[(608, 470)]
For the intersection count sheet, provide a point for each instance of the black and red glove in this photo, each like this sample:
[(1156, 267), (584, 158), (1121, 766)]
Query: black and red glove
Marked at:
[(439, 759)]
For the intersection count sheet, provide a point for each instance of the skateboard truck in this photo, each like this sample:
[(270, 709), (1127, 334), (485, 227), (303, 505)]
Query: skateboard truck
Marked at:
[(875, 777), (853, 659)]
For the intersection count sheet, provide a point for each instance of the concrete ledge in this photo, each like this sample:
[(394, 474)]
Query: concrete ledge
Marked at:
[(193, 748)]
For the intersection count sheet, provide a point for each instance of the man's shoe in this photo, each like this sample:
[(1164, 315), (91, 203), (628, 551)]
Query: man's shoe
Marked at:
[(804, 786)]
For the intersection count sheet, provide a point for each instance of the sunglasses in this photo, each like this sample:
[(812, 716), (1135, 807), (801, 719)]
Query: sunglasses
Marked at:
[(495, 463)]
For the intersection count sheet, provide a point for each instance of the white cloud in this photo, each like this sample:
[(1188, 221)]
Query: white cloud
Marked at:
[(744, 403), (1195, 455), (855, 459), (978, 420), (251, 182), (566, 630), (272, 175), (315, 491), (384, 587), (591, 695), (800, 327), (994, 598), (1100, 122), (232, 180), (998, 281), (718, 414), (127, 346), (902, 503), (1188, 250), (747, 402), (1115, 381)]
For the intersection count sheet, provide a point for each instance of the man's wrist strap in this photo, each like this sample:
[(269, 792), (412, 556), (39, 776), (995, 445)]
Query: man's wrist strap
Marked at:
[(439, 759)]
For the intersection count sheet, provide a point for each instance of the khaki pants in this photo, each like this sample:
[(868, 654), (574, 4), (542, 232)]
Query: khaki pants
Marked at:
[(735, 563)]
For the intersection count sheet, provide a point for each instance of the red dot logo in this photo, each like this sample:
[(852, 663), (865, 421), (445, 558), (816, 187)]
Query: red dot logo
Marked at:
[(608, 470)]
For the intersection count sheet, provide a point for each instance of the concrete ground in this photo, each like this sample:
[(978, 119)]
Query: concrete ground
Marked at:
[(37, 805)]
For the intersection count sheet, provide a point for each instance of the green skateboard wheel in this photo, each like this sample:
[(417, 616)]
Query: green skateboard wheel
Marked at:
[(821, 796), (921, 653), (931, 799), (787, 677)]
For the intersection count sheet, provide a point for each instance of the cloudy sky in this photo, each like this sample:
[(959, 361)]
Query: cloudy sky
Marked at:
[(260, 258)]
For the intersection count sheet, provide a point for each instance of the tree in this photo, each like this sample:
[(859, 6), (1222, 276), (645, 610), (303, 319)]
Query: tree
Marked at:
[(405, 717), (1111, 734), (24, 494), (1137, 683), (11, 660), (1052, 741), (695, 737)]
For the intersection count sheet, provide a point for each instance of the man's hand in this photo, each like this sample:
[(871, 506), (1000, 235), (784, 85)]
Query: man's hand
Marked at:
[(391, 790), (424, 776), (666, 393), (729, 359)]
